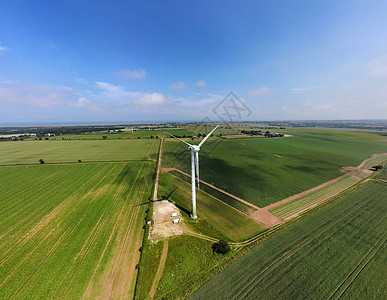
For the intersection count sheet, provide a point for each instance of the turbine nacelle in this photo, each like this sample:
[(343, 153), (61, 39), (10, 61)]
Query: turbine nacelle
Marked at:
[(194, 148)]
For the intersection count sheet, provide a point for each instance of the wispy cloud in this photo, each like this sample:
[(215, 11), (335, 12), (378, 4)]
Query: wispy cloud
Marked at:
[(38, 95), (132, 74), (305, 89), (2, 49), (152, 99), (200, 83), (181, 85), (115, 91), (261, 91), (81, 81), (84, 103), (377, 67)]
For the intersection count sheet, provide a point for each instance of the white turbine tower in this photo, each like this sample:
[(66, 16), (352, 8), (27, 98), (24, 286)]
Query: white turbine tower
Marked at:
[(194, 162)]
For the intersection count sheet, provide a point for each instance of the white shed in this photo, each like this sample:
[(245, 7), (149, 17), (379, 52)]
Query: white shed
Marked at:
[(174, 221)]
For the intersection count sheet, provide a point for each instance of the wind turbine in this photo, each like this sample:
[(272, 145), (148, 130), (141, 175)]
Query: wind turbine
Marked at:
[(194, 162)]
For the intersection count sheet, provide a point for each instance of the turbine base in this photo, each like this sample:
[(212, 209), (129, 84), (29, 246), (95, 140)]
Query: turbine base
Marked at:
[(193, 217)]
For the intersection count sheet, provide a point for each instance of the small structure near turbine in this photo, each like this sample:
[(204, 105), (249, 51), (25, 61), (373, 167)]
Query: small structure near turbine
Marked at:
[(194, 162)]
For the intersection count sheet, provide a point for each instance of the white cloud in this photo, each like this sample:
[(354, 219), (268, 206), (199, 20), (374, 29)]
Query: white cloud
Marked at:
[(261, 91), (81, 81), (133, 74), (152, 99), (115, 91), (201, 83), (378, 66), (84, 103), (2, 49), (181, 85), (38, 95)]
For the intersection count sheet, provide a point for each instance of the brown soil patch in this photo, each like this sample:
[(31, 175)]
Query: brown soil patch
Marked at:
[(266, 218), (163, 226), (278, 155)]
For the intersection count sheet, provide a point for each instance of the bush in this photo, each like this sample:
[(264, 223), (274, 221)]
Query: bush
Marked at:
[(41, 161), (221, 247)]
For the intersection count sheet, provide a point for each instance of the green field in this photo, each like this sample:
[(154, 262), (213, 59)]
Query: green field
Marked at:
[(215, 218), (29, 152), (337, 252), (185, 272), (72, 230), (126, 134), (286, 210), (265, 170), (217, 194)]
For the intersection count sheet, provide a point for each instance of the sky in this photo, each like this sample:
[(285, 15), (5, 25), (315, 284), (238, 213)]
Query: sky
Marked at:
[(158, 61)]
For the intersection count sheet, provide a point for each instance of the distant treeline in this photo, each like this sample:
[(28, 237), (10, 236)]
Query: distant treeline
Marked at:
[(58, 130), (260, 132)]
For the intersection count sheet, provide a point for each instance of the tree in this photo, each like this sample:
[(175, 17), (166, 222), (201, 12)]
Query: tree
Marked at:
[(104, 137), (41, 161), (221, 247)]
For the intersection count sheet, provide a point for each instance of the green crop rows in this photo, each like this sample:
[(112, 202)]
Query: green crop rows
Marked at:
[(217, 194), (29, 152), (64, 229), (337, 252), (266, 170), (288, 209)]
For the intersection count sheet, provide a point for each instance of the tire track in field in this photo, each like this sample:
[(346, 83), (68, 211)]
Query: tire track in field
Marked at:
[(36, 191), (70, 230), (25, 257), (124, 243), (243, 293), (53, 248), (367, 259), (44, 221), (86, 248)]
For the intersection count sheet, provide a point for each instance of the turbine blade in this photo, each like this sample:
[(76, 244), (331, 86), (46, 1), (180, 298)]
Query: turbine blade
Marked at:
[(207, 136), (197, 168), (178, 139)]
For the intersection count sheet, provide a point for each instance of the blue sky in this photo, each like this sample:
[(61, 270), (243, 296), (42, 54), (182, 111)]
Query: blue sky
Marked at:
[(126, 61)]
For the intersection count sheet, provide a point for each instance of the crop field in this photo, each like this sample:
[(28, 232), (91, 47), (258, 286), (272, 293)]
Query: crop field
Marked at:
[(337, 252), (266, 170), (287, 210), (29, 152), (222, 218), (340, 132), (217, 194), (125, 134), (72, 230)]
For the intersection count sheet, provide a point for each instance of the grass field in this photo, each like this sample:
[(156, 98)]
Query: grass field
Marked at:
[(217, 194), (215, 218), (72, 230), (188, 262), (29, 152), (265, 170), (337, 252), (288, 209), (383, 173), (126, 134)]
